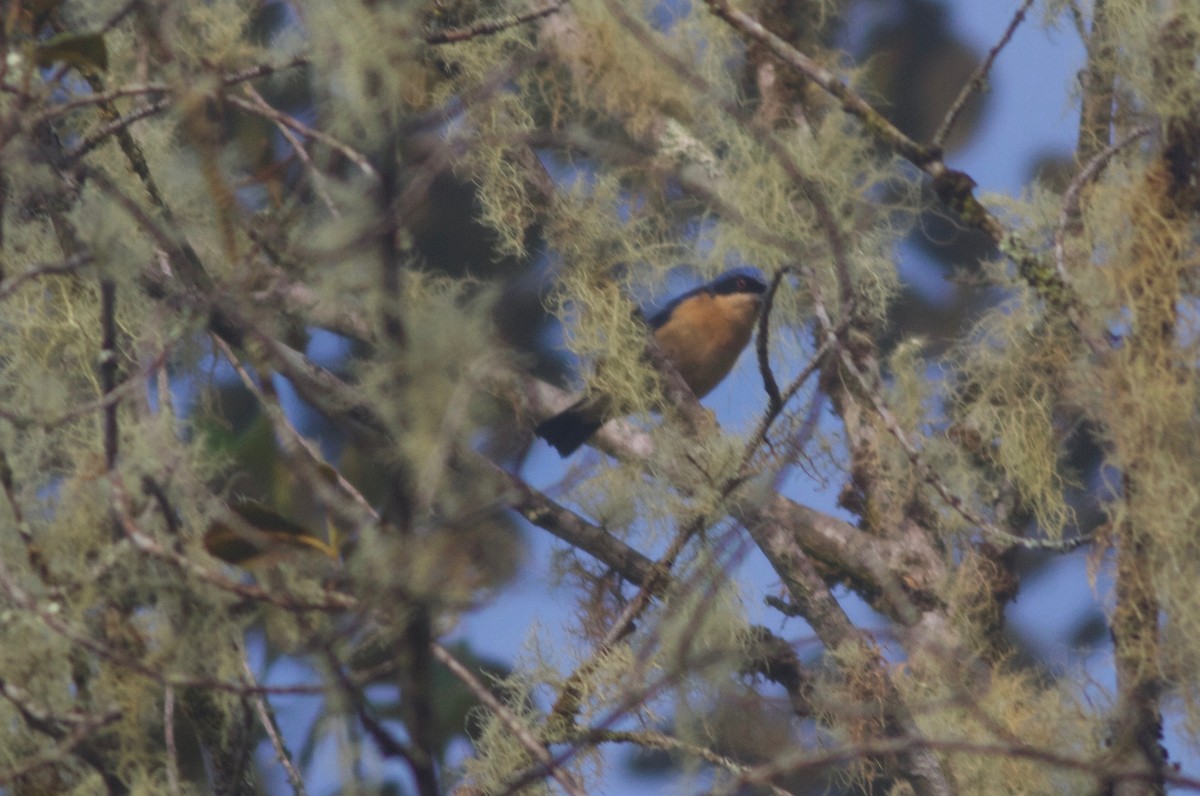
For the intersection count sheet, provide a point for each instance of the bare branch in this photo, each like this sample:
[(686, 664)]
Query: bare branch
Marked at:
[(266, 717), (73, 263), (1070, 209), (291, 122), (978, 79), (488, 27)]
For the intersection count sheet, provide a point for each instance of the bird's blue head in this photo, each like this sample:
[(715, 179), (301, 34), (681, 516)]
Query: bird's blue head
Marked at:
[(747, 281), (739, 280)]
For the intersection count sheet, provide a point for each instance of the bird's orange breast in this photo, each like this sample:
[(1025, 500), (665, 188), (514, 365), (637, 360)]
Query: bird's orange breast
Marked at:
[(704, 336)]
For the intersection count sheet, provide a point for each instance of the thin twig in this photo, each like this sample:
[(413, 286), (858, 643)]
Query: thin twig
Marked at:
[(267, 718), (95, 139), (10, 285), (976, 83), (508, 719), (119, 15), (318, 179), (291, 438), (388, 744), (1070, 207), (652, 740), (169, 737), (119, 392), (262, 70), (488, 27), (143, 89), (108, 368), (98, 97), (764, 425), (762, 346), (279, 117)]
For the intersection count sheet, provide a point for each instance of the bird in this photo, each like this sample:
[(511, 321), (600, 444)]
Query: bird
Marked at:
[(701, 333)]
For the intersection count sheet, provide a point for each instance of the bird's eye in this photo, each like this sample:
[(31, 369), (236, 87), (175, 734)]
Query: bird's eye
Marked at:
[(741, 284)]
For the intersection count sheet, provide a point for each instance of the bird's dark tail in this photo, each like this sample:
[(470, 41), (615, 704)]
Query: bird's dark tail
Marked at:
[(569, 429)]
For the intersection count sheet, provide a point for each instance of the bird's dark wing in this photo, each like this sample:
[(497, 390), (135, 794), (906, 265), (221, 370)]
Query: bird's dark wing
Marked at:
[(569, 429)]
